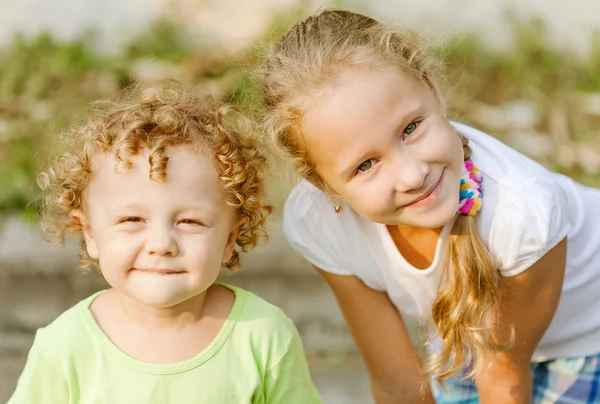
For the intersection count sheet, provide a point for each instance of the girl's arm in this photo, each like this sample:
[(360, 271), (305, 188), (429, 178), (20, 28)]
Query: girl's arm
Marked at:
[(382, 339), (530, 303)]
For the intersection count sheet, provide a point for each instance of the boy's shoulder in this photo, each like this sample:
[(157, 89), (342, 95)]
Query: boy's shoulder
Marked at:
[(259, 312), (262, 322), (67, 332)]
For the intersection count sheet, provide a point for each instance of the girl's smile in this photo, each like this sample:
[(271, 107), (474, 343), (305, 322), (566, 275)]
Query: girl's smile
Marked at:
[(429, 197)]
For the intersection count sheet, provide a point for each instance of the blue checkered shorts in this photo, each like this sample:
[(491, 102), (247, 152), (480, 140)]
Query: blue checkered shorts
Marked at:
[(559, 381)]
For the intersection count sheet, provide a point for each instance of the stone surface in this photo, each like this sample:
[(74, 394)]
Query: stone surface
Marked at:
[(535, 145), (519, 114), (590, 103), (22, 249), (589, 157)]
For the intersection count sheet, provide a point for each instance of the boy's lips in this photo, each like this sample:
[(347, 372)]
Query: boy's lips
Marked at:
[(159, 271)]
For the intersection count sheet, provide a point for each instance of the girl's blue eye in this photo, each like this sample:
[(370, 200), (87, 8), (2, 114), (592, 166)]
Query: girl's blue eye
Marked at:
[(411, 128), (366, 166)]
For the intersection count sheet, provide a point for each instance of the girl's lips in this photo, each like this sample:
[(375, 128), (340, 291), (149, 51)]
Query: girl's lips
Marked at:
[(430, 196)]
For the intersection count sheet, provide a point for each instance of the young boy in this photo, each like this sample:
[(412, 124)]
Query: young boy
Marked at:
[(162, 186)]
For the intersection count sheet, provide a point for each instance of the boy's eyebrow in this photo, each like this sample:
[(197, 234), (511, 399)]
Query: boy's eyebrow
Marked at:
[(181, 209), (205, 210), (134, 205)]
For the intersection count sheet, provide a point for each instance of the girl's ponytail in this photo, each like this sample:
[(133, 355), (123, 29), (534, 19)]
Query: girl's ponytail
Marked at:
[(466, 309)]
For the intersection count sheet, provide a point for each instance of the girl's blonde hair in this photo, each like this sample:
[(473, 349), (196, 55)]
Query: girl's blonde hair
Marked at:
[(155, 116), (308, 56)]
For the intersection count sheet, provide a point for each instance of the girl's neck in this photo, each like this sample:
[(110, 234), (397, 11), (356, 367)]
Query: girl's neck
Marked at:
[(409, 231), (416, 244)]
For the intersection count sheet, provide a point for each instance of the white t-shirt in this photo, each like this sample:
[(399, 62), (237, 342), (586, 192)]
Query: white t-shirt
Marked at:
[(526, 211)]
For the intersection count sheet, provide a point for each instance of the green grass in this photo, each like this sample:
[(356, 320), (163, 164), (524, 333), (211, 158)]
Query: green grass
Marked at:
[(45, 84)]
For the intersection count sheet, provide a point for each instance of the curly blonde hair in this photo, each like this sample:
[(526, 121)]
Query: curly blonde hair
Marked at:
[(155, 116), (309, 55)]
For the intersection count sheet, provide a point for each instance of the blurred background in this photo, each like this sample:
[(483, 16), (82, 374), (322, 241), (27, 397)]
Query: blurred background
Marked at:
[(526, 71)]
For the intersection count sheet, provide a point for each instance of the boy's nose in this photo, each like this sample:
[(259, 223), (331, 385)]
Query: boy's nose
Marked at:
[(161, 242)]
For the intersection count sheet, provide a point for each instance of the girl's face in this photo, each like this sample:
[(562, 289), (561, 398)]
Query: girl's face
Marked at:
[(159, 243), (381, 140)]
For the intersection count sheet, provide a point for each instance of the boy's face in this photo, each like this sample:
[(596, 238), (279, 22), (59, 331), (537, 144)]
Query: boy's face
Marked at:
[(160, 243)]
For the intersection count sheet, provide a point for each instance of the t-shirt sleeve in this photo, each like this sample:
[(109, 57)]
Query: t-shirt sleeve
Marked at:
[(528, 223), (314, 230), (41, 382), (288, 379)]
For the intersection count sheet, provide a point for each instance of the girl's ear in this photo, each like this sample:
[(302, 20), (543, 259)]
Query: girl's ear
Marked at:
[(90, 242), (231, 238), (315, 180)]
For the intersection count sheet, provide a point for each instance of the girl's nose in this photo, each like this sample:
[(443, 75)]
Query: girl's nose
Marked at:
[(409, 173)]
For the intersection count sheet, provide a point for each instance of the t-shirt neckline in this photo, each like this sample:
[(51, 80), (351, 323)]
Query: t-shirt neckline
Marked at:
[(171, 368), (390, 246)]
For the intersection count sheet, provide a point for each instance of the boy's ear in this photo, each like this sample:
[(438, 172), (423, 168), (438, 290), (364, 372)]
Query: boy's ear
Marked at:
[(90, 242), (231, 239)]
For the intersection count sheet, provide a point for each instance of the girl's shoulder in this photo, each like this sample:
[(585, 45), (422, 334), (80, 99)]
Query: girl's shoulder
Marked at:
[(305, 198), (324, 237), (305, 207), (502, 163), (526, 207)]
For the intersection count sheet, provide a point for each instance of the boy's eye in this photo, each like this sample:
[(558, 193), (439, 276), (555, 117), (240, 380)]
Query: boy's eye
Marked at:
[(366, 166), (131, 219), (411, 128), (189, 221)]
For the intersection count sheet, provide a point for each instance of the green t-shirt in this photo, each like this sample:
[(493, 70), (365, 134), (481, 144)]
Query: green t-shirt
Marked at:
[(257, 357)]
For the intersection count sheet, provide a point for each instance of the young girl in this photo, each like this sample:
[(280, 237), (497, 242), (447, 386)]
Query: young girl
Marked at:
[(162, 186), (410, 216)]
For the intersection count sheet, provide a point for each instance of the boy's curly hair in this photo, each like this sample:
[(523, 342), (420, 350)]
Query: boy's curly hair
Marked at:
[(154, 116)]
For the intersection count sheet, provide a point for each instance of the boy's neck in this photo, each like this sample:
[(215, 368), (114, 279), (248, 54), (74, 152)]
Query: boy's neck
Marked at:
[(186, 313)]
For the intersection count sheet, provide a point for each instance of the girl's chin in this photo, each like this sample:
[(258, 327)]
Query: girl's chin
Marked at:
[(426, 220)]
